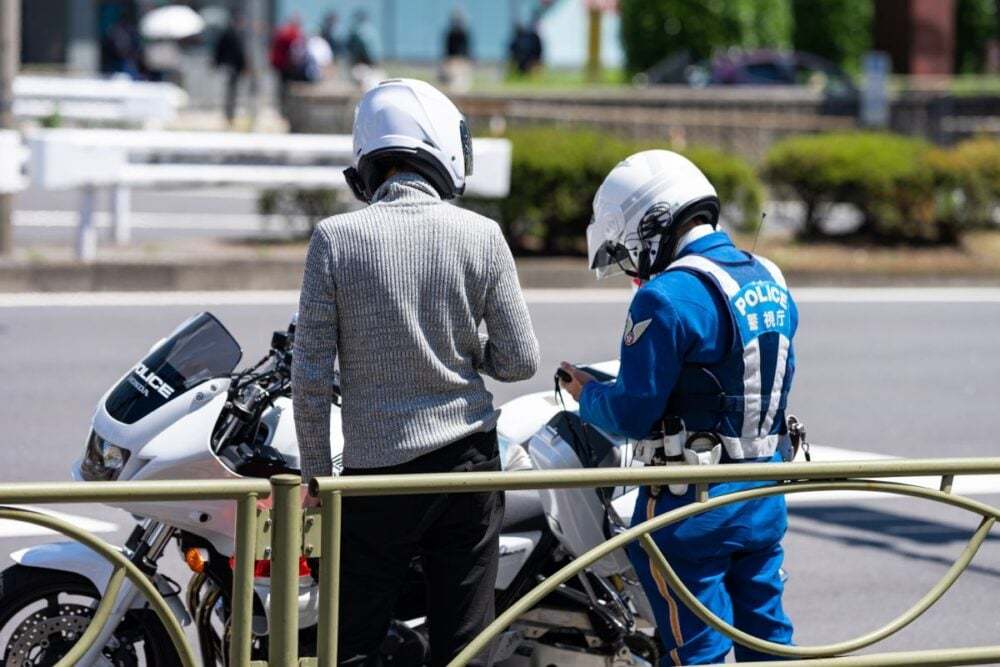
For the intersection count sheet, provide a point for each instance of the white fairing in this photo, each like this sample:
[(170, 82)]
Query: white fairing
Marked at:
[(77, 558), (576, 516), (173, 442)]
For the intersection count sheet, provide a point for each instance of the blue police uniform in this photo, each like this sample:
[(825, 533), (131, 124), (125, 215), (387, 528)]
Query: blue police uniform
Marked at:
[(710, 340)]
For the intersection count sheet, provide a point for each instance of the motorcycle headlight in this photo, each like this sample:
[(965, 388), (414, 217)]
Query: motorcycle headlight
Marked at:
[(103, 461)]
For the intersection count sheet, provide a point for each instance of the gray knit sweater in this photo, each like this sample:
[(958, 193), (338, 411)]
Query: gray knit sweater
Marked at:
[(397, 291)]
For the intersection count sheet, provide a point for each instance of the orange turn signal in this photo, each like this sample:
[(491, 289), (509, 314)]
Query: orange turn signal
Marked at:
[(196, 559)]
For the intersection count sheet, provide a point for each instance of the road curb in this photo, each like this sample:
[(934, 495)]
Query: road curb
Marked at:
[(152, 276), (285, 274)]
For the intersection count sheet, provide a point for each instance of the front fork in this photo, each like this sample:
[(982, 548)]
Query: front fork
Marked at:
[(144, 548)]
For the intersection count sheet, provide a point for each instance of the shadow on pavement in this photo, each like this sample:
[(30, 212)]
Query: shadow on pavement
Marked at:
[(886, 531)]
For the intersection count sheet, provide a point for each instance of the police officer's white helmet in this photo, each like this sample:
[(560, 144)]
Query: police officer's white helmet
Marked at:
[(639, 208), (410, 122)]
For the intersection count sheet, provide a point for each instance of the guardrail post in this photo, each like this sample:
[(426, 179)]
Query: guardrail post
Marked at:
[(86, 230), (285, 552), (947, 481), (121, 211), (329, 579), (242, 616)]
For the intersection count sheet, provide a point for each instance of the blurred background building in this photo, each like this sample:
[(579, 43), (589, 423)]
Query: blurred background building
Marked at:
[(739, 77), (923, 37), (67, 33)]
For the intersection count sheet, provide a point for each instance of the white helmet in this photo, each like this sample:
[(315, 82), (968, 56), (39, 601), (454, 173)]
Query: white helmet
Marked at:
[(639, 208), (409, 121)]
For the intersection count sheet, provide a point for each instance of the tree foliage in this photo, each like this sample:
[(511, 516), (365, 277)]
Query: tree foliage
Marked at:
[(656, 29), (839, 30), (976, 22)]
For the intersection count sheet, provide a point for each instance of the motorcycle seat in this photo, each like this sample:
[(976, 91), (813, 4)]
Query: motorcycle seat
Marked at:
[(523, 512)]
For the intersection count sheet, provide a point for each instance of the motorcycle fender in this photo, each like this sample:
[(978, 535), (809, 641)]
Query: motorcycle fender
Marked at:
[(77, 558), (68, 557)]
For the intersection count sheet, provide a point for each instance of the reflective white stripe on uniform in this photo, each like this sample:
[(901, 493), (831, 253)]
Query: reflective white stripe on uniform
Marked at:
[(773, 269), (753, 399), (753, 441), (783, 345), (705, 265), (779, 382)]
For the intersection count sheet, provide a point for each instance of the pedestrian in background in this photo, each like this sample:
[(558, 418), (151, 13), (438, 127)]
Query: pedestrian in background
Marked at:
[(122, 49), (535, 48), (328, 31), (362, 50), (525, 49), (396, 292), (287, 47), (361, 41), (456, 68), (230, 55), (318, 59)]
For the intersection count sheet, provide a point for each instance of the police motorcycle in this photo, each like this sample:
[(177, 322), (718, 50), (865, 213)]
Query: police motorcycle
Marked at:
[(183, 412)]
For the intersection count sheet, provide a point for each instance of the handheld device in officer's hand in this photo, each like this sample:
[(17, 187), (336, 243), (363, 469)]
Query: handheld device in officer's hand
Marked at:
[(562, 375)]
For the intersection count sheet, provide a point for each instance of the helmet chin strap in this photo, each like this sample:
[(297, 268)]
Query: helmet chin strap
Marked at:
[(357, 185)]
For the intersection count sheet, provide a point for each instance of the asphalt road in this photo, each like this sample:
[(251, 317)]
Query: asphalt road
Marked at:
[(905, 379)]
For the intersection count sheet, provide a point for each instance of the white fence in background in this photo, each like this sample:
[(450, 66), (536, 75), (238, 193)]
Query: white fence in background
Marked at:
[(97, 101), (12, 158), (92, 160)]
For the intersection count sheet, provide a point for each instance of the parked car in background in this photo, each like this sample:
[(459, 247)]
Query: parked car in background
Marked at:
[(762, 67)]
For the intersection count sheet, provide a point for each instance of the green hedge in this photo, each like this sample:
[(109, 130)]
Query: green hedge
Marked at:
[(905, 190), (967, 183), (555, 173), (740, 189)]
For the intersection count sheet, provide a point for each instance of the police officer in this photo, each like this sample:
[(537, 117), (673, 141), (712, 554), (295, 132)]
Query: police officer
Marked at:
[(706, 366), (396, 293)]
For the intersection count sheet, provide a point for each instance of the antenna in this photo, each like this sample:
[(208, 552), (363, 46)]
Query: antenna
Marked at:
[(763, 217)]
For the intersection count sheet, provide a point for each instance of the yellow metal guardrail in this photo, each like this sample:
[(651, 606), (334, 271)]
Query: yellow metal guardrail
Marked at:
[(284, 533)]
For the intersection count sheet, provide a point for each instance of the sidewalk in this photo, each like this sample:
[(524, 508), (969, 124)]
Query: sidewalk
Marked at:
[(219, 264)]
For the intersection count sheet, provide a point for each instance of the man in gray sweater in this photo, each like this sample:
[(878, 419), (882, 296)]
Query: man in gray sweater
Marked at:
[(397, 292)]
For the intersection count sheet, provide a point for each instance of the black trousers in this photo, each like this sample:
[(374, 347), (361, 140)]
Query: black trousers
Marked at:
[(456, 537)]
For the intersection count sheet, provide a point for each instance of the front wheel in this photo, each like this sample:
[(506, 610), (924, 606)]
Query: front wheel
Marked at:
[(43, 612)]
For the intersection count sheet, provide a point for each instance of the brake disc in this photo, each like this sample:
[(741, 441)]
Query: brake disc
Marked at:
[(41, 639)]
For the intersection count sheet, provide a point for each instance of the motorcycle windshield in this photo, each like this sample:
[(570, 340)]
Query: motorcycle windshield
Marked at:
[(199, 349)]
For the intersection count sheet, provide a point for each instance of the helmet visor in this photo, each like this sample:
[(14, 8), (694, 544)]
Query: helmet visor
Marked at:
[(607, 258)]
